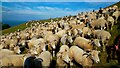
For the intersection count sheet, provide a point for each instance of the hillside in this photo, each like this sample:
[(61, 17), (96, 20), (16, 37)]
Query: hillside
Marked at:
[(103, 55), (21, 26)]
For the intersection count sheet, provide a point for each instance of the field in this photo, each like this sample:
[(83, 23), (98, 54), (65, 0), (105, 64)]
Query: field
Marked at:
[(103, 55)]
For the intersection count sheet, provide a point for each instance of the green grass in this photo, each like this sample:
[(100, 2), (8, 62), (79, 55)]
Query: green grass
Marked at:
[(12, 29), (115, 32)]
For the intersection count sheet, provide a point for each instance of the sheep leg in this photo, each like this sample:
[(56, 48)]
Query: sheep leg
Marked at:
[(71, 63), (53, 53), (101, 28), (104, 47), (82, 35)]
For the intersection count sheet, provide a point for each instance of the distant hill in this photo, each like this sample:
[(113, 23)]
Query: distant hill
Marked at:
[(5, 26)]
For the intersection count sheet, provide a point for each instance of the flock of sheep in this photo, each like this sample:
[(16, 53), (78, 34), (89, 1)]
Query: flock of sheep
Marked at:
[(75, 38)]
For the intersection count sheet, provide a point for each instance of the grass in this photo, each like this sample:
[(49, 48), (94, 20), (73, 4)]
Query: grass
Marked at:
[(114, 33), (12, 29), (103, 55)]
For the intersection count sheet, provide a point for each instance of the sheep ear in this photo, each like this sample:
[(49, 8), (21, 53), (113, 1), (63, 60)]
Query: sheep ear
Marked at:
[(65, 50), (41, 59)]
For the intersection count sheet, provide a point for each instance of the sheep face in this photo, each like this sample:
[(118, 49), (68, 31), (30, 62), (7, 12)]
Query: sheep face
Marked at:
[(96, 42), (64, 56), (70, 39), (94, 56)]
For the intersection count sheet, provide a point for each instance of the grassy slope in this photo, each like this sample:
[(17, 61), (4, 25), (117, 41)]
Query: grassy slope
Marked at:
[(115, 32), (116, 28), (20, 27)]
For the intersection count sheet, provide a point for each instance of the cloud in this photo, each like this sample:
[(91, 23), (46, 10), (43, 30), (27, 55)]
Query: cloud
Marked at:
[(41, 10), (44, 12), (46, 8), (60, 0)]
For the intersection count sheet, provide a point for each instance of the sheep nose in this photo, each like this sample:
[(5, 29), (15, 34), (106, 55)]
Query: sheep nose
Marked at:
[(69, 61), (97, 61)]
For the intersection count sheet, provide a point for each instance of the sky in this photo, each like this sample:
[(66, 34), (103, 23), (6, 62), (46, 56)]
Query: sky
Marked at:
[(59, 0), (16, 10)]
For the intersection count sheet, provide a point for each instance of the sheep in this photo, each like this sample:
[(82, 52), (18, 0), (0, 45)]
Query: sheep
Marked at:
[(103, 36), (86, 44), (52, 42), (63, 56), (63, 39), (75, 32), (43, 33), (52, 39), (2, 44), (66, 39), (32, 42), (99, 23), (33, 62), (79, 26), (110, 21), (10, 43), (46, 58), (83, 58), (72, 22), (115, 15), (12, 60), (35, 50), (7, 43), (23, 35), (4, 52), (41, 43), (92, 16), (17, 50), (86, 31), (61, 33)]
